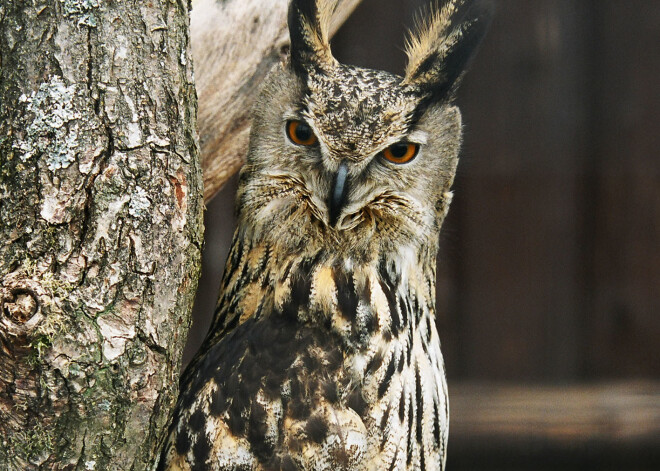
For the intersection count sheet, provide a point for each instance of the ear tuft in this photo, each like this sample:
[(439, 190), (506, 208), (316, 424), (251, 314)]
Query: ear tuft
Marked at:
[(309, 22), (445, 40)]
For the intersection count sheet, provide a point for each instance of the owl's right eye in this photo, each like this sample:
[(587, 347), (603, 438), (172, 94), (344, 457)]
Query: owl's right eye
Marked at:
[(300, 133)]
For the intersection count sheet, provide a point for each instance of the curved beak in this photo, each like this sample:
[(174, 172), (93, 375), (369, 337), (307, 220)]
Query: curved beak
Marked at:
[(338, 193)]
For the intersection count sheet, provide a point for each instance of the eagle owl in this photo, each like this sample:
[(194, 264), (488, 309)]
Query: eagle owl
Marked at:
[(323, 353)]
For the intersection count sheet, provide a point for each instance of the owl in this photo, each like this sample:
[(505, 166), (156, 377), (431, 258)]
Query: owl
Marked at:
[(323, 353)]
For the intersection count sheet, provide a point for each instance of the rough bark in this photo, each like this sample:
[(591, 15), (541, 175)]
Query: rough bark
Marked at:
[(100, 228), (235, 43)]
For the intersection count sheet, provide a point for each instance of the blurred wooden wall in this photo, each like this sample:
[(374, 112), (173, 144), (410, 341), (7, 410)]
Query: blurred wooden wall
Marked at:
[(550, 264)]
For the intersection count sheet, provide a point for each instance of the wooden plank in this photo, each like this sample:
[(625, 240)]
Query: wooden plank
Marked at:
[(587, 424), (524, 105), (623, 322)]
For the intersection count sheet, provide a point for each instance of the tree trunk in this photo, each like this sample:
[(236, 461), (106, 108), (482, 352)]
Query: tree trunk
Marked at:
[(101, 210), (101, 228)]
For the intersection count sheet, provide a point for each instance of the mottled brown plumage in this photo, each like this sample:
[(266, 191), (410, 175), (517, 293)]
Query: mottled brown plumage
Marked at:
[(323, 354)]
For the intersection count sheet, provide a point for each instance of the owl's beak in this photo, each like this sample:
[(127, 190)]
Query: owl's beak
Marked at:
[(338, 193)]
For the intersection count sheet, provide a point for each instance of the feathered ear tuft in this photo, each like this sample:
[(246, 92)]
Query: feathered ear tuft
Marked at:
[(309, 22), (443, 44)]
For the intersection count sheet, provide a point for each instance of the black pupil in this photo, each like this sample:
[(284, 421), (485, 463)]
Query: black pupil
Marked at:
[(303, 132), (399, 150)]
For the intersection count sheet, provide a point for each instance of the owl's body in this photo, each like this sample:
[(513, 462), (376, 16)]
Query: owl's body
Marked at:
[(324, 354), (327, 380)]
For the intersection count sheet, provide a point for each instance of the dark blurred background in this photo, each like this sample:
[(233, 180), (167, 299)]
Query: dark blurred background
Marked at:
[(549, 275)]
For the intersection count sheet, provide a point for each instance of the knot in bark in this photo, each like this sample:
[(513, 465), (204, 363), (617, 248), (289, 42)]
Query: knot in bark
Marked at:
[(20, 306)]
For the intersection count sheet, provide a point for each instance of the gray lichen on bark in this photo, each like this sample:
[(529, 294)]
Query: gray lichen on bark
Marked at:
[(100, 230)]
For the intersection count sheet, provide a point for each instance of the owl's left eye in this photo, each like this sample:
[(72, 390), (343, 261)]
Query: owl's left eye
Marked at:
[(401, 152), (300, 133)]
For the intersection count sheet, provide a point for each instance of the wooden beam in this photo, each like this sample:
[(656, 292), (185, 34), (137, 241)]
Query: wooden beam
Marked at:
[(559, 424)]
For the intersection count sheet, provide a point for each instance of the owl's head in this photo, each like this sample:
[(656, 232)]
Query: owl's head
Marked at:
[(356, 159)]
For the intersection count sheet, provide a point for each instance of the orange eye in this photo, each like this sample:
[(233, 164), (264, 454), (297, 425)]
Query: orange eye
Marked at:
[(300, 133), (401, 152)]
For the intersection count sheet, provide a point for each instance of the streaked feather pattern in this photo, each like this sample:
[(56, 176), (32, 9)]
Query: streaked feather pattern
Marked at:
[(323, 353)]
